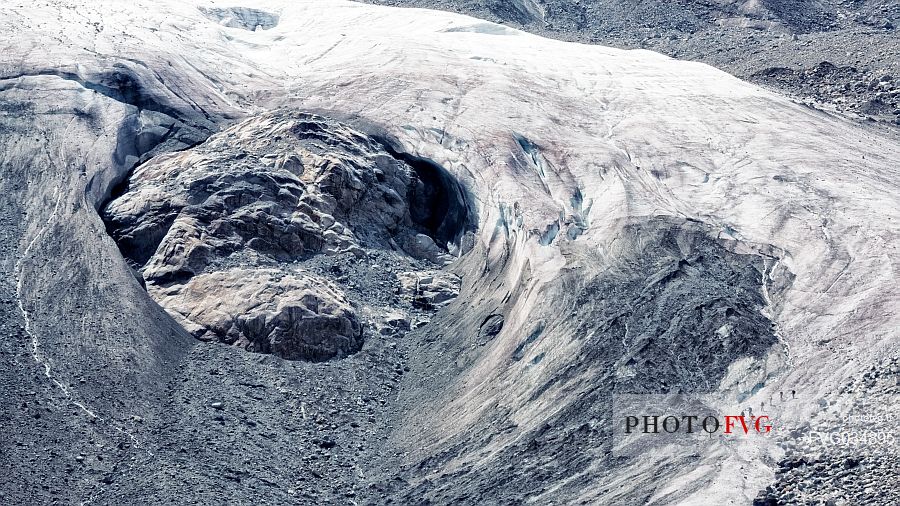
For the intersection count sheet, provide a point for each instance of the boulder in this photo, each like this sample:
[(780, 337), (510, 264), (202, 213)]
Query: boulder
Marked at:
[(429, 289), (296, 316)]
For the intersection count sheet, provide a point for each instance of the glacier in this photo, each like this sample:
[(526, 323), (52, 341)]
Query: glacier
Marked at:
[(588, 167)]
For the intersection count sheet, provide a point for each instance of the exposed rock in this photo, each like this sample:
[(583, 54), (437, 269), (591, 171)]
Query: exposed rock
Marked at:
[(429, 289), (424, 247), (272, 191), (294, 316), (398, 320)]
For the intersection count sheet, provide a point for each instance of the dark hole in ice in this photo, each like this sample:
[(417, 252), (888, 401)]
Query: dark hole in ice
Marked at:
[(438, 205)]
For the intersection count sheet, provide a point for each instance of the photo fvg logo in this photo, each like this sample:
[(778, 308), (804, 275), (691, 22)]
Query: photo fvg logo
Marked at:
[(643, 422), (691, 424)]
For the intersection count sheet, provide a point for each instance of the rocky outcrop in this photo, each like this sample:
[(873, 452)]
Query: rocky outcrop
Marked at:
[(295, 316), (216, 230), (429, 289), (271, 189)]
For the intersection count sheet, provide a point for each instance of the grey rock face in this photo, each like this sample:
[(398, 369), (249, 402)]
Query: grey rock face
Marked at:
[(423, 246), (429, 289), (207, 226), (294, 316), (683, 307), (271, 189)]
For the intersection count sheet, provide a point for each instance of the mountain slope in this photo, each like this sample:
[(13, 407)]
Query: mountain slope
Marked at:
[(627, 207)]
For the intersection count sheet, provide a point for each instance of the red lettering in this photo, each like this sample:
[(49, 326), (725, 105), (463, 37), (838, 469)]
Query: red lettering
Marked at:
[(729, 423), (765, 428)]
